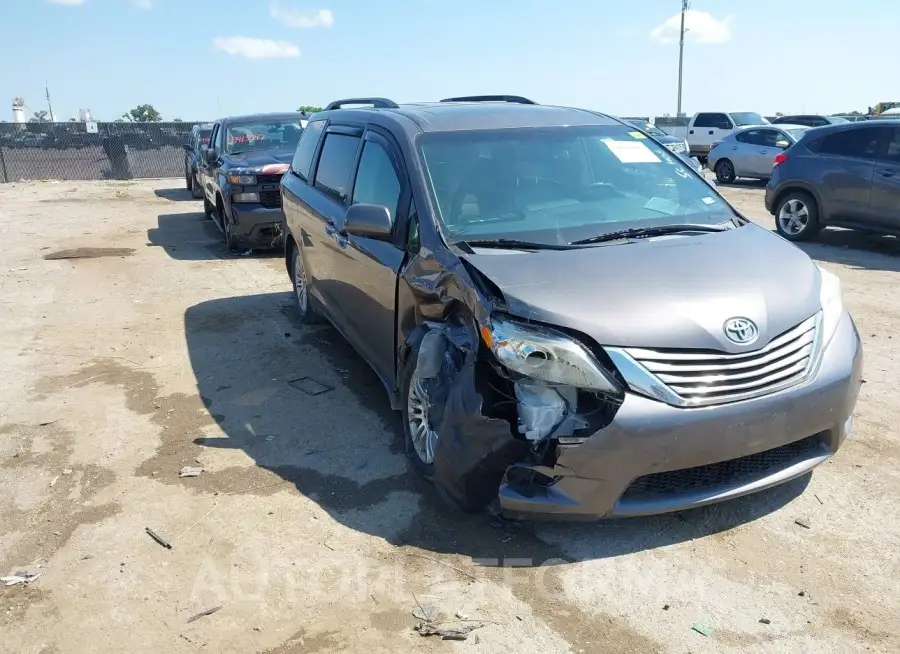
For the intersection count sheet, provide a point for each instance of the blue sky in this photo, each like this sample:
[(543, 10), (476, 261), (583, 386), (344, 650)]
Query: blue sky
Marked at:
[(198, 59)]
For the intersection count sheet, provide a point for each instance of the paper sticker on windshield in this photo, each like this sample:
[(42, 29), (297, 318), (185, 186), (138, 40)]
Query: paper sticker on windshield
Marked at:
[(631, 151), (707, 200), (637, 135), (662, 205)]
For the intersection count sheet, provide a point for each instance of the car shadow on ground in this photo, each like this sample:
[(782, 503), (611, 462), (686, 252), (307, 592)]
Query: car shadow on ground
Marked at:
[(743, 183), (854, 248), (195, 237), (176, 195), (303, 405)]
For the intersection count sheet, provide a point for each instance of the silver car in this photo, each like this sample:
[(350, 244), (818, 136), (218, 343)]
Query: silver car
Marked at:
[(751, 152)]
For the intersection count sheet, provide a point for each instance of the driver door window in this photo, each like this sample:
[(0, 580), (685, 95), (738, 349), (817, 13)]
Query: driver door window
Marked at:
[(377, 181)]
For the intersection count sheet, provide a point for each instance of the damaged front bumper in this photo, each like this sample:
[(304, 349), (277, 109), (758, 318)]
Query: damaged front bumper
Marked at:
[(655, 458)]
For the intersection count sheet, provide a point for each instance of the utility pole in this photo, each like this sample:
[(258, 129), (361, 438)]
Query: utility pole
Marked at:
[(685, 5), (49, 106)]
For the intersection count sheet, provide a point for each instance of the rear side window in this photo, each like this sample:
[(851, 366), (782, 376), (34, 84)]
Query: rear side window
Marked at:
[(336, 164), (751, 137), (858, 143), (376, 179), (306, 149)]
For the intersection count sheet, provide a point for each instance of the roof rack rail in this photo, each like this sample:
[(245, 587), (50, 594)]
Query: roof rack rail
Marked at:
[(514, 99), (377, 103)]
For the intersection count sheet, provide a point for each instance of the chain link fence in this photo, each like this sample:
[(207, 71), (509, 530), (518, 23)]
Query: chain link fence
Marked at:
[(115, 151)]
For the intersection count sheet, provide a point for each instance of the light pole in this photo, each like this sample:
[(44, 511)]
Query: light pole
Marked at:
[(685, 5)]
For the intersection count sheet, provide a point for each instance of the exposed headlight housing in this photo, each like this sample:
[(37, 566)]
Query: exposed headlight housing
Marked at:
[(832, 301), (547, 354), (242, 180)]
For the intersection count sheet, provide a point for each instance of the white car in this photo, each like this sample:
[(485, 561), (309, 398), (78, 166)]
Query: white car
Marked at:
[(708, 127)]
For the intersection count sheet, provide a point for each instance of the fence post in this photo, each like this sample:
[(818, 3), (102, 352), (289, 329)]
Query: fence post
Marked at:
[(3, 165)]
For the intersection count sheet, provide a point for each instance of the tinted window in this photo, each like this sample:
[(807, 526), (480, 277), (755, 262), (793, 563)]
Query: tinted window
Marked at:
[(747, 118), (306, 149), (710, 120), (893, 148), (559, 184), (376, 179), (861, 143), (336, 164), (203, 137), (770, 137), (751, 137)]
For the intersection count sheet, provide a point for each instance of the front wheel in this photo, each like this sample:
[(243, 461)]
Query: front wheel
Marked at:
[(797, 217), (419, 435), (188, 178), (196, 189)]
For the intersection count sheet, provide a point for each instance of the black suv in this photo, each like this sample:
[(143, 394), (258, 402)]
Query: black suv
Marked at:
[(198, 138), (240, 172)]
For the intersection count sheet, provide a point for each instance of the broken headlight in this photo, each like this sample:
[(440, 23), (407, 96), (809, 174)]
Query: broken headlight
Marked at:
[(832, 304), (546, 354)]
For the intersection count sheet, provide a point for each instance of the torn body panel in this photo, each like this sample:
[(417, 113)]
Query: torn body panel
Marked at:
[(488, 421)]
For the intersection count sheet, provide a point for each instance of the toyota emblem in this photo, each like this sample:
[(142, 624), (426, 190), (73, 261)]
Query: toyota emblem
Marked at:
[(742, 331)]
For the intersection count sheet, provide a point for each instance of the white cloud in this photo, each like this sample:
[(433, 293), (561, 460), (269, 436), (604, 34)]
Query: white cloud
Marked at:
[(700, 26), (250, 48), (302, 19), (70, 3), (143, 4)]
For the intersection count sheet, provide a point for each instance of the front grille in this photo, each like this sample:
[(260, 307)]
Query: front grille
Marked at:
[(704, 377), (268, 179), (732, 473), (270, 199)]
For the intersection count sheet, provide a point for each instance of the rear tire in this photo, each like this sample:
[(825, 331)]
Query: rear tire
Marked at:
[(306, 314), (725, 173), (797, 217), (188, 178), (208, 208), (196, 189)]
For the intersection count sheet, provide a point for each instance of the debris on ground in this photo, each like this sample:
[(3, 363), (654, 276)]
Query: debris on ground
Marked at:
[(803, 522), (205, 613), (665, 607), (802, 593), (460, 632), (426, 612), (25, 576), (765, 621), (190, 471), (702, 628), (53, 481), (67, 471), (159, 539)]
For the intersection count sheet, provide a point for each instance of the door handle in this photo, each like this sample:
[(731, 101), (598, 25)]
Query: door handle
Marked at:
[(710, 132), (887, 173), (691, 132)]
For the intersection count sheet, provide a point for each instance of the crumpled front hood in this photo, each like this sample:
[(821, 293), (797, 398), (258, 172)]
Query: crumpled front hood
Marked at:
[(668, 292), (256, 162)]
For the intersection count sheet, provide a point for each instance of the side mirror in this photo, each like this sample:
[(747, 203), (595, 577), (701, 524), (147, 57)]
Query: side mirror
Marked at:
[(784, 145), (368, 220), (212, 155), (187, 147), (726, 126)]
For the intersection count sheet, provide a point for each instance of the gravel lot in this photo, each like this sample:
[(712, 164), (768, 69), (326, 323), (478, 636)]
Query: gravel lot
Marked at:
[(154, 349)]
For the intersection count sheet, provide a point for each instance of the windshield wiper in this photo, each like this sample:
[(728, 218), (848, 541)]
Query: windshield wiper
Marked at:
[(513, 244), (659, 230)]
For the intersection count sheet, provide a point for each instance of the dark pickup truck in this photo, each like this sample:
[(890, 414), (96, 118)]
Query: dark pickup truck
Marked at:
[(198, 138), (240, 172)]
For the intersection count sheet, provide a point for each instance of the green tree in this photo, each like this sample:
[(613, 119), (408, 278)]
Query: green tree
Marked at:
[(308, 108), (39, 117), (177, 120), (143, 113)]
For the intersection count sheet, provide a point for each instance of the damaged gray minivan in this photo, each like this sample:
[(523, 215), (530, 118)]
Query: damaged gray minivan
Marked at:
[(572, 321)]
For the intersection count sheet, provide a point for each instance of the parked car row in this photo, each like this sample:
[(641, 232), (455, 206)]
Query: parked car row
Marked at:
[(557, 303)]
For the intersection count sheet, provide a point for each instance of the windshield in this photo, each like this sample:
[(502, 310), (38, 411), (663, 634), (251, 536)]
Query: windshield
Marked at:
[(651, 129), (266, 135), (747, 118), (836, 119), (560, 184), (203, 136)]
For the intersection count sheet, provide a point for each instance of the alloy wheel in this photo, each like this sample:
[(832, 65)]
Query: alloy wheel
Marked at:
[(422, 434), (300, 287), (793, 217)]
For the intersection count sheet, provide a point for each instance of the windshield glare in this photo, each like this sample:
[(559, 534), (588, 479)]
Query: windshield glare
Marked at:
[(560, 184), (748, 118), (274, 135)]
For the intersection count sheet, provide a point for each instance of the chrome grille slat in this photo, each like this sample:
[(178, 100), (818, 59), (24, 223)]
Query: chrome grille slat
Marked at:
[(798, 356), (702, 377), (688, 355), (805, 341)]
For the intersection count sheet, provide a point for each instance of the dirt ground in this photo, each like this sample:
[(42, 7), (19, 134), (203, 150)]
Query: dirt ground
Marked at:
[(133, 344)]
